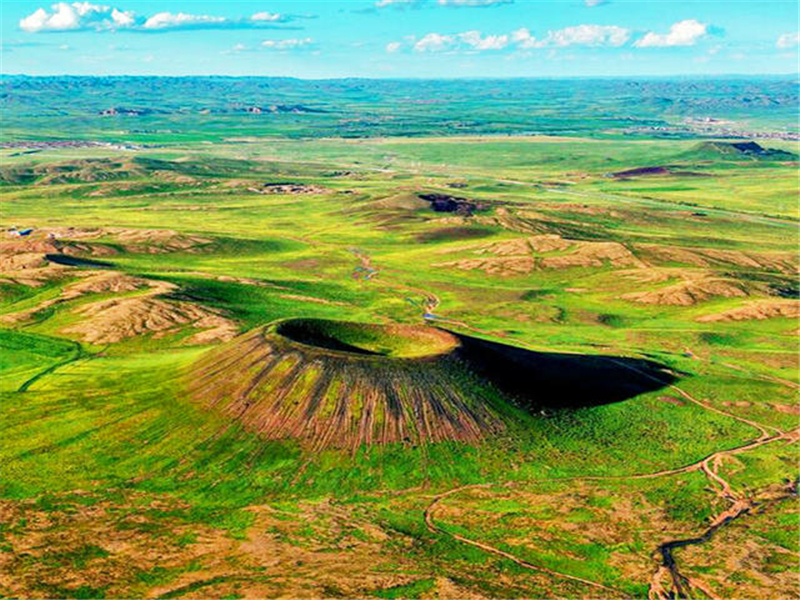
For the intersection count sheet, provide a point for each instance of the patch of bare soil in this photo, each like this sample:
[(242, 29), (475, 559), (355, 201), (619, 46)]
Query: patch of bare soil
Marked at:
[(103, 282), (690, 292), (24, 260), (106, 282), (150, 241), (787, 409), (289, 188), (327, 398), (313, 299), (112, 547), (155, 241), (547, 251), (759, 310), (712, 257), (672, 400), (113, 320)]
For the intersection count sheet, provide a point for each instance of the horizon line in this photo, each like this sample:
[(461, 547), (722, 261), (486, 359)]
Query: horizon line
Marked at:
[(423, 78)]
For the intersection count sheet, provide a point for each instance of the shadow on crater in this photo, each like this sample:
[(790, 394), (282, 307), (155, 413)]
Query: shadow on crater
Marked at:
[(315, 332), (560, 380)]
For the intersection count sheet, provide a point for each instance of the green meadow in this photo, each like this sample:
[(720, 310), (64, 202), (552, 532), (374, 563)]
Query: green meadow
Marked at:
[(117, 482)]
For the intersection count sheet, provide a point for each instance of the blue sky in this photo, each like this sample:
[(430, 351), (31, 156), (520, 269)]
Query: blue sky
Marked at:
[(401, 38)]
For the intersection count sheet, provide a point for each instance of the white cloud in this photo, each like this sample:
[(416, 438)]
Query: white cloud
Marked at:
[(448, 3), (682, 33), (579, 35), (473, 2), (588, 35), (788, 40), (433, 42), (123, 18), (523, 38), (168, 20), (266, 16), (384, 3), (593, 3), (35, 21), (63, 18), (79, 16), (490, 42), (288, 44)]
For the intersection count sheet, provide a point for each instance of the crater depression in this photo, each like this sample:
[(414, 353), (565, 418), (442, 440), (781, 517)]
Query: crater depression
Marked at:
[(338, 384)]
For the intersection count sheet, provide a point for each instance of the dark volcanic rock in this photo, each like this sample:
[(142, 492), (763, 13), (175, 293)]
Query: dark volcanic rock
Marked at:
[(452, 204)]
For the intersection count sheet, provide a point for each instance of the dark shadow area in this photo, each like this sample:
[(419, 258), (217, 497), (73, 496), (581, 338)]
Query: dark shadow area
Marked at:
[(556, 380), (75, 261), (314, 333)]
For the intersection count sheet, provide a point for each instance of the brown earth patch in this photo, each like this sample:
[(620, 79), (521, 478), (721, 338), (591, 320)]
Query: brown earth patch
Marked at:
[(113, 320), (711, 257), (736, 403), (690, 292), (523, 255), (759, 310), (304, 554), (311, 299), (329, 397), (95, 283), (24, 261), (289, 188), (154, 241), (788, 409), (672, 400)]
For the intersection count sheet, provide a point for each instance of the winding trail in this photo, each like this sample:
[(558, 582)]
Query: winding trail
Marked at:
[(77, 353), (434, 528), (709, 465), (678, 585)]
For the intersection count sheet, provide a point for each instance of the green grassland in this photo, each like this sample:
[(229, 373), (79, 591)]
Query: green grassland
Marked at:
[(117, 483)]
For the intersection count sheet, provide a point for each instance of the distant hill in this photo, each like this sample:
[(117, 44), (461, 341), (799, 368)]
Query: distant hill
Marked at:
[(160, 110), (738, 151)]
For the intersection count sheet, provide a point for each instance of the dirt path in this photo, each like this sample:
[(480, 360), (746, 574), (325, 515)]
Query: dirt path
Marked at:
[(669, 566), (682, 586), (77, 353), (434, 528), (709, 465), (679, 585), (764, 429), (791, 384)]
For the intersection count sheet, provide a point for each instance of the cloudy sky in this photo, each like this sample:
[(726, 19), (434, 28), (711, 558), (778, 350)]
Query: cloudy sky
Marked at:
[(401, 38)]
